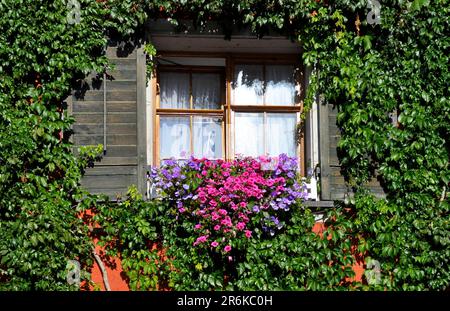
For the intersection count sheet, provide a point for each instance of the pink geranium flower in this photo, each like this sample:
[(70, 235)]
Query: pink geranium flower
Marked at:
[(224, 199), (201, 239), (223, 212), (233, 206), (215, 216), (220, 201), (240, 226)]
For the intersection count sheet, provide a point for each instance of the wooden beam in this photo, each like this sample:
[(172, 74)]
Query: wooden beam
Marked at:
[(141, 120), (229, 149), (324, 149), (275, 109), (170, 111), (194, 69), (288, 58)]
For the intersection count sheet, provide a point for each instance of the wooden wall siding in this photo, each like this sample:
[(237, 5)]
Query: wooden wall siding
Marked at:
[(336, 188), (119, 167)]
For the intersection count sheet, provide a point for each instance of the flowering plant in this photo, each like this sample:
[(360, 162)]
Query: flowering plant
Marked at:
[(226, 201)]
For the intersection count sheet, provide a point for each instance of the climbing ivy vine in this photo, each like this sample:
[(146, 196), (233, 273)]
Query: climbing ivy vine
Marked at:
[(388, 80)]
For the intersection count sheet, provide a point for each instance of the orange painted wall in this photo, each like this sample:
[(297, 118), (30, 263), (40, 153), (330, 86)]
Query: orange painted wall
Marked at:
[(358, 267), (116, 276)]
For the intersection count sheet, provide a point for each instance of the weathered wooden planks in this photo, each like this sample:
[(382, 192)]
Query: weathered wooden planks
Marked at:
[(97, 106), (108, 182), (111, 95), (111, 117), (112, 128), (334, 186), (118, 168), (110, 139)]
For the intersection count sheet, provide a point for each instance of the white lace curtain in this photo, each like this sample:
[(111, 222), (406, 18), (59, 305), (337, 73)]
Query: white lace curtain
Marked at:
[(175, 92), (175, 137), (206, 90), (281, 133), (255, 136), (280, 85), (264, 133), (250, 87), (175, 132), (207, 138), (249, 134), (255, 133)]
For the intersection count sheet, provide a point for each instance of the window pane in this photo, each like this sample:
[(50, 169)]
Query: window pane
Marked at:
[(281, 134), (248, 85), (174, 90), (207, 137), (174, 137), (206, 90), (280, 83), (249, 134)]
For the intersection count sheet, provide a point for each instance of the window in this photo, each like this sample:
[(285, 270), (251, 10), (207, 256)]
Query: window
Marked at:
[(221, 109), (265, 133), (265, 108), (190, 112), (264, 85)]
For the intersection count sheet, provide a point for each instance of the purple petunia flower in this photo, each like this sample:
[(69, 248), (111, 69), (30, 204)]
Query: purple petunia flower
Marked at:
[(170, 162)]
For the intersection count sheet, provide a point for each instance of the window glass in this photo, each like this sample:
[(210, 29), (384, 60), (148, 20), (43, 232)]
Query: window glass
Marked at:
[(207, 137), (206, 90), (280, 86), (174, 90), (265, 134), (257, 131), (174, 137), (248, 85), (281, 134), (249, 134)]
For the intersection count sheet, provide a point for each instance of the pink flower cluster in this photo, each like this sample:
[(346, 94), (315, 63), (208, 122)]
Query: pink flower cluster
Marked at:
[(224, 211), (221, 198)]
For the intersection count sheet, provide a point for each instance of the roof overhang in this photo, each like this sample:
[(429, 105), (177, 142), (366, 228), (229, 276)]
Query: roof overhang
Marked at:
[(167, 37)]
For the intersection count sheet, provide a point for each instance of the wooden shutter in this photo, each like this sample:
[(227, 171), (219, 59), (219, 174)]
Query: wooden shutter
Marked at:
[(332, 182), (107, 113)]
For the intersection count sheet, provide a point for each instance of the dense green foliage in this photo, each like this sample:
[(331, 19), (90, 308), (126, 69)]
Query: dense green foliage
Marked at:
[(400, 67), (41, 56), (368, 71), (156, 248)]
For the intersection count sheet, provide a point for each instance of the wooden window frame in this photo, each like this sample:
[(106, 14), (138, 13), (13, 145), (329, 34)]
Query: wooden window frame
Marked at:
[(228, 109), (191, 112)]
